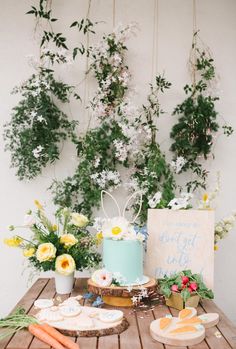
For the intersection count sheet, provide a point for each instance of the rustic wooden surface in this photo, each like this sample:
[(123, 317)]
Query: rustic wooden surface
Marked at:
[(120, 291), (222, 336)]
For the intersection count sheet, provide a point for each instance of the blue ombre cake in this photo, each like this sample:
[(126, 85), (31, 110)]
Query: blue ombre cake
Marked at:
[(124, 257)]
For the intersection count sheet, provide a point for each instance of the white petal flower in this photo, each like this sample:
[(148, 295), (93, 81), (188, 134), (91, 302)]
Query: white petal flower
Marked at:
[(102, 278), (115, 228)]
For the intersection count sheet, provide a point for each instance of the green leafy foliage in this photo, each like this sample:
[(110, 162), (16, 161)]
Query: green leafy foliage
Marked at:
[(119, 139), (193, 135), (34, 134), (81, 191), (184, 286)]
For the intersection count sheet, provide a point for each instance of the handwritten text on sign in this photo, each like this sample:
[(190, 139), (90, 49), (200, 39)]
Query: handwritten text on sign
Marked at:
[(180, 240)]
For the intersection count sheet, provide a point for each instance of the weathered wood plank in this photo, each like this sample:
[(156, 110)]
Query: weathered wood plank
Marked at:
[(144, 319), (130, 338), (108, 342), (87, 343), (23, 339), (225, 326), (26, 302)]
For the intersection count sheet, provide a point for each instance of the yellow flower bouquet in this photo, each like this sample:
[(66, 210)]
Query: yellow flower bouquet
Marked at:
[(63, 246)]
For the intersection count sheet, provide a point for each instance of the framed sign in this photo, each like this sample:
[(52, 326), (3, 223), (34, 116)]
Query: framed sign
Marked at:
[(179, 240)]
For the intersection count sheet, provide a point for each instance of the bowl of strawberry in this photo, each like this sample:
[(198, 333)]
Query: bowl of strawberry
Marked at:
[(184, 289)]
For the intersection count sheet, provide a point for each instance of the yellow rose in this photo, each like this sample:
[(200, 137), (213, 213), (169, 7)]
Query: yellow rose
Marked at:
[(79, 220), (68, 240), (65, 264), (46, 252), (29, 252), (13, 242)]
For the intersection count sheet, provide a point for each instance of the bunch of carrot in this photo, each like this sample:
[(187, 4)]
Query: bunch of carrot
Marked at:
[(19, 320), (52, 337)]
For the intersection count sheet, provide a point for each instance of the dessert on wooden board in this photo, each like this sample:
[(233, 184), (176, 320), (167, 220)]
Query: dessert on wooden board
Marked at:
[(185, 330)]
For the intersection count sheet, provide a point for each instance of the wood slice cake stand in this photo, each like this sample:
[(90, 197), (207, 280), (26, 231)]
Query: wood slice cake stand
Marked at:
[(120, 296)]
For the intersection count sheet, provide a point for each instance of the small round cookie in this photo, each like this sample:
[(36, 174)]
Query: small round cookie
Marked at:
[(70, 310), (49, 316), (111, 316), (43, 303)]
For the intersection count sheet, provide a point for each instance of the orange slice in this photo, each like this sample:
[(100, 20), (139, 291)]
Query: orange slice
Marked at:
[(193, 321), (184, 313), (164, 322), (184, 329)]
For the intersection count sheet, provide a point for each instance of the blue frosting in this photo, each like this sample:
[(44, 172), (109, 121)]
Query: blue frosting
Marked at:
[(124, 257)]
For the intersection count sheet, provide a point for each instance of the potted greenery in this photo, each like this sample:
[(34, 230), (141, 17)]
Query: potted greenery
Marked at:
[(184, 289)]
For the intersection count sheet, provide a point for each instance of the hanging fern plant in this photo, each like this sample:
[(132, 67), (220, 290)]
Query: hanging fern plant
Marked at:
[(193, 135)]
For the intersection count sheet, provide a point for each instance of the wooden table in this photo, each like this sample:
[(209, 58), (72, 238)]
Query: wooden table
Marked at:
[(137, 336)]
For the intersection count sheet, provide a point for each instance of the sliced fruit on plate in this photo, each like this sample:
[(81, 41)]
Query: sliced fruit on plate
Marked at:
[(165, 322), (195, 320), (183, 330)]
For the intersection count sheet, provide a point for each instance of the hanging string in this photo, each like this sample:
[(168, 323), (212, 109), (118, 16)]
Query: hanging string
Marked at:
[(114, 14), (154, 41), (86, 83), (194, 43)]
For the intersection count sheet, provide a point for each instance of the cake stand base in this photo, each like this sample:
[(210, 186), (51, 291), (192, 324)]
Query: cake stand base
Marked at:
[(120, 296)]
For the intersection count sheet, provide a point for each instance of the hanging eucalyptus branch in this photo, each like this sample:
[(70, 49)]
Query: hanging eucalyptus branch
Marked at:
[(194, 133)]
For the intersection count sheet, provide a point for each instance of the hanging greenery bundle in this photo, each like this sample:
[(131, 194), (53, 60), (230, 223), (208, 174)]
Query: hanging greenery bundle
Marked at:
[(38, 126), (193, 135), (34, 134), (124, 136)]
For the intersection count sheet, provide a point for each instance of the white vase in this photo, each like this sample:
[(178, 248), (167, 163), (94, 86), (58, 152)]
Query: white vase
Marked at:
[(64, 283)]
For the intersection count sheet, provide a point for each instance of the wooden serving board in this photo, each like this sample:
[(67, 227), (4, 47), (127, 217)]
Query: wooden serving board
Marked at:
[(88, 324), (119, 296), (181, 339)]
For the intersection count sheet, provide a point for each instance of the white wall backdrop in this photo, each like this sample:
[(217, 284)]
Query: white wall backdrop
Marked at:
[(217, 24)]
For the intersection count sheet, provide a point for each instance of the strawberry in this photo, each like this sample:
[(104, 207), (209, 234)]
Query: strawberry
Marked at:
[(184, 286), (190, 290), (185, 280), (193, 286), (174, 288)]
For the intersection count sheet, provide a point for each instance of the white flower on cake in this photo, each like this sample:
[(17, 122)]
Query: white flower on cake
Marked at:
[(115, 228), (102, 277)]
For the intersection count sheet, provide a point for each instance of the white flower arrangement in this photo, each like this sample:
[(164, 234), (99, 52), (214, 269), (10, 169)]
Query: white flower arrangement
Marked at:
[(223, 227)]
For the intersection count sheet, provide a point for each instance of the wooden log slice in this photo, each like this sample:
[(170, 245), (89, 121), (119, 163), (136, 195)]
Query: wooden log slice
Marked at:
[(118, 291), (121, 327)]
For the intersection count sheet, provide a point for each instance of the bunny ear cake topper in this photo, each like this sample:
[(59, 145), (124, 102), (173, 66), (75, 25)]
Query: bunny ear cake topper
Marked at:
[(125, 206), (122, 246)]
